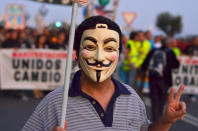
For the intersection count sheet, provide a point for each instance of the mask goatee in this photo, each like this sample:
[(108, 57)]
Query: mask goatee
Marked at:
[(98, 74)]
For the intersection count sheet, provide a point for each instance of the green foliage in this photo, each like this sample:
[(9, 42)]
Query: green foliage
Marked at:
[(169, 24)]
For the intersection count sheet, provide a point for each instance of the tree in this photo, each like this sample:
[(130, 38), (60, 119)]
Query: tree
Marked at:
[(169, 24)]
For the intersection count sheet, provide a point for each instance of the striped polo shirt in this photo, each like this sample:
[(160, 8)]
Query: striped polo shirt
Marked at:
[(125, 111)]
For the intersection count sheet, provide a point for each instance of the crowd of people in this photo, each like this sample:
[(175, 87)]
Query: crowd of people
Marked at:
[(155, 57), (137, 47), (30, 38)]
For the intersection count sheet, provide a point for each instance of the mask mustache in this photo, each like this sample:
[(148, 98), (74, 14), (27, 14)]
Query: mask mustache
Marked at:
[(98, 63)]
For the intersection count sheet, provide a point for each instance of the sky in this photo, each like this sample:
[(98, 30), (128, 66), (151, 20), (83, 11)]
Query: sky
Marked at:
[(147, 11)]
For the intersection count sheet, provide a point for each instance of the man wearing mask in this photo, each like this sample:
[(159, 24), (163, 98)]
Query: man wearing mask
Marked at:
[(96, 100)]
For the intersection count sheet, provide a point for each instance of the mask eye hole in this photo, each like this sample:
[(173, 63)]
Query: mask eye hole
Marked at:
[(90, 47), (109, 49)]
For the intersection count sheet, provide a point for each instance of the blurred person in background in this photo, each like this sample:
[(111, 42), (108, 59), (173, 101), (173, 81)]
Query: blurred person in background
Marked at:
[(149, 37), (60, 42), (174, 47), (24, 43), (192, 50), (32, 37), (159, 64), (143, 47), (157, 41), (52, 39), (119, 70), (129, 66), (12, 40), (183, 43), (124, 40), (46, 33), (40, 43), (5, 35), (2, 31)]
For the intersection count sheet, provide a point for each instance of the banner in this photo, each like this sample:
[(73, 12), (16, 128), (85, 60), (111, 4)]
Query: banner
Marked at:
[(187, 75), (32, 69)]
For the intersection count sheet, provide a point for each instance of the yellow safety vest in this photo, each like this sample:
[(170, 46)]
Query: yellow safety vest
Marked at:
[(177, 51), (133, 54), (143, 50)]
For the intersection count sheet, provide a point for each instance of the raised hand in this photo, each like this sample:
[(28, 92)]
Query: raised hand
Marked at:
[(58, 128), (175, 108)]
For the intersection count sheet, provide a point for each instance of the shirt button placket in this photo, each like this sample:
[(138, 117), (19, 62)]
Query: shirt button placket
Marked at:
[(93, 102), (102, 115)]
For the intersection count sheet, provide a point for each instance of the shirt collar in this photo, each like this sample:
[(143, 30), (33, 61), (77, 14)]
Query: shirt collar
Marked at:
[(76, 91)]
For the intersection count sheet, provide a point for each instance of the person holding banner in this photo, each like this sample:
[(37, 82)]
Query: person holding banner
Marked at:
[(11, 41), (96, 100)]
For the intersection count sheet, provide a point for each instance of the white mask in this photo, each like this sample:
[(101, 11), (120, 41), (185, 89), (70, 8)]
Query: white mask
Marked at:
[(99, 52)]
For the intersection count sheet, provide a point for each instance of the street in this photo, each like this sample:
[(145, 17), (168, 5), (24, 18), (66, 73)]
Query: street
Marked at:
[(14, 113)]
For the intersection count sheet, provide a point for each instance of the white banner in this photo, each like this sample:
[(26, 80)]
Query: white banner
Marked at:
[(45, 69), (32, 69), (187, 75)]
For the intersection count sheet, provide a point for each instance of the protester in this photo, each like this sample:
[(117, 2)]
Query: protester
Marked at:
[(40, 42), (157, 41), (119, 73), (12, 40), (96, 100), (31, 37), (159, 64), (46, 32), (174, 47), (143, 47), (192, 49), (60, 42), (149, 37), (23, 42), (1, 34), (130, 62)]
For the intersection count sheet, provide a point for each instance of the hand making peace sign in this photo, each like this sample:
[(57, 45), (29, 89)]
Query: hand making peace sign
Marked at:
[(175, 108)]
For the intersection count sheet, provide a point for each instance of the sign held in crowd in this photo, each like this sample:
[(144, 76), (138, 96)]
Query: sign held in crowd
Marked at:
[(44, 69), (32, 69), (15, 16), (187, 75)]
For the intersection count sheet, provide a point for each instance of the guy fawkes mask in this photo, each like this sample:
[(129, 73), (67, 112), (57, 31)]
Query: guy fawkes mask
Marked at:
[(99, 52)]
